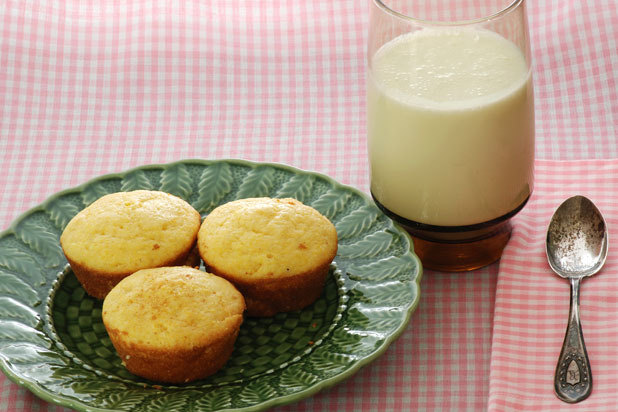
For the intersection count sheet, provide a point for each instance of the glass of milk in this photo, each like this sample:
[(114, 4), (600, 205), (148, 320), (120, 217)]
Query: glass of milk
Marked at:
[(450, 118)]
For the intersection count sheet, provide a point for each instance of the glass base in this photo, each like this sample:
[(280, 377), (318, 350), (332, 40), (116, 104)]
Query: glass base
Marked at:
[(457, 248), (462, 255)]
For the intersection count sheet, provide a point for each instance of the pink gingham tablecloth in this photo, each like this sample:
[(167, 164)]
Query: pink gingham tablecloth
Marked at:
[(532, 303), (88, 88)]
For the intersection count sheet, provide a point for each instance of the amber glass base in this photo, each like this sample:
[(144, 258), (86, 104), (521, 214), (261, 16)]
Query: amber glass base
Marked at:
[(462, 256), (458, 248)]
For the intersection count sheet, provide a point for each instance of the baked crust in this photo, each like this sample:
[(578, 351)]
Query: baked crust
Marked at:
[(124, 232), (98, 284), (174, 366), (277, 252), (173, 324), (269, 297)]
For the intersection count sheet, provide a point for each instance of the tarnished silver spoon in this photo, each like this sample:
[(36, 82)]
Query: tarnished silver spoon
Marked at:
[(576, 247)]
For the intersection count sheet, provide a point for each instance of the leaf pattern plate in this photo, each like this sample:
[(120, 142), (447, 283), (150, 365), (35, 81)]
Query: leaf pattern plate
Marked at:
[(53, 342)]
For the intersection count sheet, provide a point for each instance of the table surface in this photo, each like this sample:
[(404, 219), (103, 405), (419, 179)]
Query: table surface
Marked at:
[(88, 89)]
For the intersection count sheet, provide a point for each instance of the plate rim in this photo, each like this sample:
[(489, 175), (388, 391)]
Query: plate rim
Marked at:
[(43, 393)]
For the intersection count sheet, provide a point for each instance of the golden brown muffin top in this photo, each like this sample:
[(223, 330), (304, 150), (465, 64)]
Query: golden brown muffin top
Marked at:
[(263, 238), (173, 308), (126, 231)]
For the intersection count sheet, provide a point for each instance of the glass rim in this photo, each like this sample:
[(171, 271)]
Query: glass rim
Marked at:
[(511, 6)]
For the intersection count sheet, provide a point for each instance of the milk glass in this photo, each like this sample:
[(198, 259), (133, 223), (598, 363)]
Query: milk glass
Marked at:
[(450, 124)]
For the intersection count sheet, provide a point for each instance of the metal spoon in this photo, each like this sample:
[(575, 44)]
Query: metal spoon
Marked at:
[(576, 247)]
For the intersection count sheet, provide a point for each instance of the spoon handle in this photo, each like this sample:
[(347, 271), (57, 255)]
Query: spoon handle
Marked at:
[(573, 379)]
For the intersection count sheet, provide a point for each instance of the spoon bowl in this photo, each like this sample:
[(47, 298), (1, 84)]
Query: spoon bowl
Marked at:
[(576, 247), (576, 239)]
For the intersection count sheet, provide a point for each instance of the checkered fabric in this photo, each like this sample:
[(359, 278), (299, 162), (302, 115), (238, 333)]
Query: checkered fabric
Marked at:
[(88, 88), (532, 303)]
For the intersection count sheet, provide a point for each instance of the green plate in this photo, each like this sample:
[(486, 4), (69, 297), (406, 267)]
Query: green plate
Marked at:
[(52, 340)]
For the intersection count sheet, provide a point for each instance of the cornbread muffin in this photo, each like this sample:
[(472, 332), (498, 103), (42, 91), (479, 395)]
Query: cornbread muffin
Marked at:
[(275, 251), (123, 232), (173, 324)]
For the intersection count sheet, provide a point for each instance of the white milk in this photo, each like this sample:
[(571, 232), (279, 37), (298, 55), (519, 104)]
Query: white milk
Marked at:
[(450, 126)]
